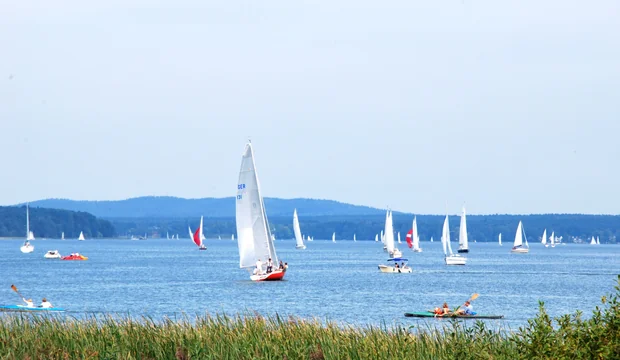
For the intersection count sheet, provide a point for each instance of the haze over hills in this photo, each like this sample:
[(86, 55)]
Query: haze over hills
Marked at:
[(174, 207)]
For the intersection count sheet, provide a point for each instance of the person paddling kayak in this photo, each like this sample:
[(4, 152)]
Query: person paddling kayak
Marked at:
[(46, 304), (28, 302), (466, 309)]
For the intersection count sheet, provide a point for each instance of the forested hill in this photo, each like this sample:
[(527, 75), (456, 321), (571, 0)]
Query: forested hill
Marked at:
[(50, 223), (174, 207)]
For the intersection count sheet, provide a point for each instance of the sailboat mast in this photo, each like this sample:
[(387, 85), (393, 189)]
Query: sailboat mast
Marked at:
[(27, 222)]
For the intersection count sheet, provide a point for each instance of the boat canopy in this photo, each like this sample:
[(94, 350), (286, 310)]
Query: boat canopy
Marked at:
[(398, 259)]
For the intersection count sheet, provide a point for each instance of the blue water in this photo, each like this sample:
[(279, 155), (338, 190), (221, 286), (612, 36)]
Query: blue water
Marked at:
[(330, 281)]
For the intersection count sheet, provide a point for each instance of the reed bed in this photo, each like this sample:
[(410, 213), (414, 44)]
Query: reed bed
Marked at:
[(30, 336)]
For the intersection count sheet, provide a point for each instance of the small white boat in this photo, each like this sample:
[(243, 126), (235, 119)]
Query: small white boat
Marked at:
[(27, 248), (403, 268), (81, 237), (449, 257), (517, 246), (52, 254), (298, 238)]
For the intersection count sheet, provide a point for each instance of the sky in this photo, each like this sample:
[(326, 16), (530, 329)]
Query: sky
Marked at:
[(420, 106)]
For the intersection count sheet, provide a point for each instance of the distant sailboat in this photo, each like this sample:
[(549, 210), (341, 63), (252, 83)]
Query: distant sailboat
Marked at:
[(449, 257), (62, 236), (431, 239), (309, 238), (334, 237), (232, 237), (377, 238), (389, 237), (597, 241), (81, 237), (298, 238), (399, 237), (415, 237), (167, 236), (354, 239), (198, 237), (255, 240), (518, 243), (177, 236), (463, 243), (552, 239), (500, 239), (27, 247), (593, 241), (544, 238)]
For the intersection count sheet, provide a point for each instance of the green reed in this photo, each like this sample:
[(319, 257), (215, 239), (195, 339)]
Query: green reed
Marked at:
[(29, 336)]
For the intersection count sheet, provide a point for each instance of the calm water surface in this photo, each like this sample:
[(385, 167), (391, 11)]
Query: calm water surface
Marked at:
[(334, 281)]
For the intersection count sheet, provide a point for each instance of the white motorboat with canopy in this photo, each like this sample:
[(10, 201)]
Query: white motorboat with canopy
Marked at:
[(401, 268)]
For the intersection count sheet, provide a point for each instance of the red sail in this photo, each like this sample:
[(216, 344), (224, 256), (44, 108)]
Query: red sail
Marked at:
[(409, 238), (197, 240)]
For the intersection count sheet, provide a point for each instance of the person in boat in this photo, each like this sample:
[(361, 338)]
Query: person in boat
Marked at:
[(269, 266), (446, 309), (466, 309), (259, 267), (28, 302), (281, 266), (45, 304)]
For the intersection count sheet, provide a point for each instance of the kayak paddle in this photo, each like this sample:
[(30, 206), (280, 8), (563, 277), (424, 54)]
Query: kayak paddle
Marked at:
[(15, 289)]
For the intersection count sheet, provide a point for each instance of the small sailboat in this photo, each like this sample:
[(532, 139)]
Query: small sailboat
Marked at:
[(177, 236), (298, 238), (81, 237), (27, 247), (198, 237), (62, 236), (334, 237), (463, 243), (517, 246), (449, 257), (389, 237), (431, 239), (500, 239), (232, 237), (544, 238), (593, 241), (309, 238), (399, 237), (354, 239), (219, 237), (598, 242), (413, 239), (167, 236), (552, 239), (254, 235), (377, 238)]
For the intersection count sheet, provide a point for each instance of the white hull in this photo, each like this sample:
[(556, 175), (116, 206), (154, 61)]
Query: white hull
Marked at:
[(455, 260), (520, 250), (396, 253), (52, 255), (300, 247), (27, 249), (391, 269), (417, 250)]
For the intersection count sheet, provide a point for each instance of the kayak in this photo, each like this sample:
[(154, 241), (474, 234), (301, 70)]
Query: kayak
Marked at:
[(27, 308), (428, 314), (74, 257)]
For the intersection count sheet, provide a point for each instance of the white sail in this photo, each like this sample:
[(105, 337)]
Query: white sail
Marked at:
[(518, 236), (431, 239), (445, 237), (81, 237), (232, 237), (167, 236), (415, 238), (254, 236), (334, 237), (552, 238), (308, 238), (376, 237), (382, 236), (463, 243), (298, 238), (191, 234), (202, 235), (354, 239), (500, 239), (29, 234), (597, 241), (544, 237), (62, 236), (399, 237), (593, 241), (389, 233)]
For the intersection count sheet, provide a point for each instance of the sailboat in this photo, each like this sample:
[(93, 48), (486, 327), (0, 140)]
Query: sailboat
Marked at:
[(593, 241), (598, 241), (198, 237), (298, 238), (517, 246), (167, 236), (431, 239), (354, 238), (399, 237), (463, 243), (81, 237), (500, 239), (376, 237), (544, 238), (177, 237), (449, 257), (552, 239), (334, 237), (62, 236), (389, 237), (27, 247), (253, 232), (413, 239), (232, 237), (309, 238)]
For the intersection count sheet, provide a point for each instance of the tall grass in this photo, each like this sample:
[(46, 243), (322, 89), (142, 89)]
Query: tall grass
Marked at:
[(25, 336)]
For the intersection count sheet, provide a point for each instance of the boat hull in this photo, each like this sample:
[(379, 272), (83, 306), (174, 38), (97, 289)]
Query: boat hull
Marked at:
[(463, 250), (27, 249), (20, 308), (417, 250), (300, 247), (54, 255), (272, 276), (455, 260), (428, 314), (393, 270), (520, 251), (73, 257)]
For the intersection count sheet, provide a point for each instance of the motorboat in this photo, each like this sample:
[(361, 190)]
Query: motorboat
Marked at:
[(74, 256), (27, 248), (52, 254), (403, 268)]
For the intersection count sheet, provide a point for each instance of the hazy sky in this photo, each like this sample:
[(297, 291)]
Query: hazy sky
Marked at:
[(509, 106)]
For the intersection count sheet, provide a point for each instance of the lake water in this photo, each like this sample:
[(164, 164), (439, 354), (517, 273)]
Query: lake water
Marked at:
[(330, 281)]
